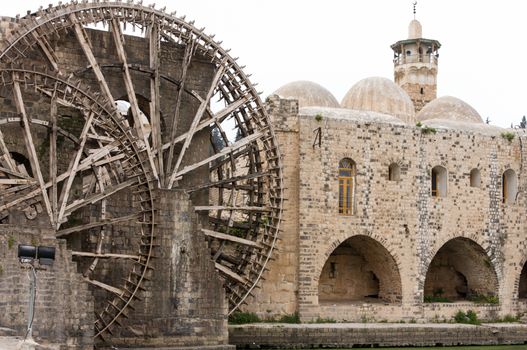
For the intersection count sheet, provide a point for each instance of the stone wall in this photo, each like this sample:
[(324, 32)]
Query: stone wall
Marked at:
[(64, 305), (401, 215), (372, 335)]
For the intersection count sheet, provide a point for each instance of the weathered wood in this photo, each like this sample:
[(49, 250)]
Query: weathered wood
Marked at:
[(224, 151), (91, 225), (227, 181), (47, 50), (73, 169), (11, 164), (15, 173), (105, 286), (197, 118), (231, 274), (106, 255), (53, 158), (226, 237), (155, 103), (16, 181), (30, 146), (226, 207), (118, 40)]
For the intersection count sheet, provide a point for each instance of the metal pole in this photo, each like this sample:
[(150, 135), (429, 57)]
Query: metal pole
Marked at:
[(32, 295)]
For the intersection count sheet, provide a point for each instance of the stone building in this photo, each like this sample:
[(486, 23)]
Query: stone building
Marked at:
[(399, 205)]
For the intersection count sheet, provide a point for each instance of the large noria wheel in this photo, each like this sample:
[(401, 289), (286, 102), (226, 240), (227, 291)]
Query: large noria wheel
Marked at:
[(179, 113)]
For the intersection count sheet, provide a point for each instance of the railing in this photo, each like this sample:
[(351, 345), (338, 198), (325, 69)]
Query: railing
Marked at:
[(422, 58)]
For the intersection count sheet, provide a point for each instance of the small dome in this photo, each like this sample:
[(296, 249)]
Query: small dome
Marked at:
[(450, 108), (308, 94), (415, 30), (381, 95)]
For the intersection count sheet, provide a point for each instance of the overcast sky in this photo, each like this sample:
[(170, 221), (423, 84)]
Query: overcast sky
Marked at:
[(483, 59)]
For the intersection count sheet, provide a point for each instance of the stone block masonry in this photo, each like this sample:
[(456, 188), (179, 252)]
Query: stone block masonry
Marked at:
[(348, 335)]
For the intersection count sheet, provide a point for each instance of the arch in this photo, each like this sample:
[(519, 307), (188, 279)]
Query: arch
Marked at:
[(124, 107), (346, 178), (438, 181), (360, 269), (475, 178), (509, 186), (460, 270), (522, 285), (394, 172), (22, 162)]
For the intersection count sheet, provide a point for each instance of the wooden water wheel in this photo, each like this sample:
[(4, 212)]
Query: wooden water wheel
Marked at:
[(135, 99)]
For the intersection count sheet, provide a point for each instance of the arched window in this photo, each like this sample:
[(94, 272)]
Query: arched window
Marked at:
[(346, 186), (438, 182), (394, 172), (475, 178), (509, 184)]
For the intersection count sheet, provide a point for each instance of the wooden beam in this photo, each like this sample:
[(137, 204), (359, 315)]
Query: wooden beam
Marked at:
[(106, 255), (229, 273), (197, 118), (53, 157), (30, 146), (16, 181), (129, 85), (73, 169), (227, 181), (226, 207), (47, 50), (224, 151), (90, 225), (230, 238), (155, 103), (105, 286)]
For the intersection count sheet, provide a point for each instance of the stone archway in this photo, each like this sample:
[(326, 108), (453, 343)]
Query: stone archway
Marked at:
[(460, 270), (360, 269), (522, 285)]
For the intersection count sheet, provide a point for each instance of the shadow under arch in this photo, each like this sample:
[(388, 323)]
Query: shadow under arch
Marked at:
[(360, 269), (460, 270)]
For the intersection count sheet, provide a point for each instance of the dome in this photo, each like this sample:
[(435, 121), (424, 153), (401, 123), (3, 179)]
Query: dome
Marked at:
[(450, 108), (381, 95), (415, 30), (308, 94)]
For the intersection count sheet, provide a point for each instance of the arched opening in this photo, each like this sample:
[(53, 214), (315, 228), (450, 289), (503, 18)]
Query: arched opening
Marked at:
[(438, 182), (475, 178), (522, 286), (461, 270), (346, 186), (509, 183), (124, 107), (360, 269), (22, 163), (394, 172)]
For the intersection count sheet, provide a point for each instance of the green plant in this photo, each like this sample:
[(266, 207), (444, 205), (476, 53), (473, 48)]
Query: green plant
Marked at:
[(419, 124), (318, 117), (243, 318), (428, 130), (436, 299), (507, 135), (470, 317), (484, 299), (292, 318), (10, 242), (438, 292), (325, 320)]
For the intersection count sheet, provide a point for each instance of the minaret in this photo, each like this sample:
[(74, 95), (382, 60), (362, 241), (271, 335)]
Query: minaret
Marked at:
[(415, 65)]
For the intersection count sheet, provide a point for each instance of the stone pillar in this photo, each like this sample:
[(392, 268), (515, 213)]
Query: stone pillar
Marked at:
[(184, 304)]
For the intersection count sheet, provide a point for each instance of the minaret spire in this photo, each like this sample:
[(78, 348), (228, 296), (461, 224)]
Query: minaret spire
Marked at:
[(415, 4)]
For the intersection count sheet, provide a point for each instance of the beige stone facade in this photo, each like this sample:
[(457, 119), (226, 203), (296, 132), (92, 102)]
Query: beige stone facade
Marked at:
[(437, 221)]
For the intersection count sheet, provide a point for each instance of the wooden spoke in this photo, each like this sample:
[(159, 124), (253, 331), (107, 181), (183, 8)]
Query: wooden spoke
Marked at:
[(28, 138), (231, 238), (105, 286), (224, 207), (106, 255), (231, 274), (53, 158), (195, 122), (68, 231), (47, 50), (154, 43)]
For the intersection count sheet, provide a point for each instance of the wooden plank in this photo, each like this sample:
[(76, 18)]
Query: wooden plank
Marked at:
[(53, 157), (233, 275), (47, 50), (11, 164), (197, 118), (187, 58), (30, 146), (224, 151), (105, 286), (230, 238), (14, 173), (155, 103), (118, 40), (73, 169), (226, 207), (215, 118), (16, 181), (227, 181), (90, 225), (106, 255)]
